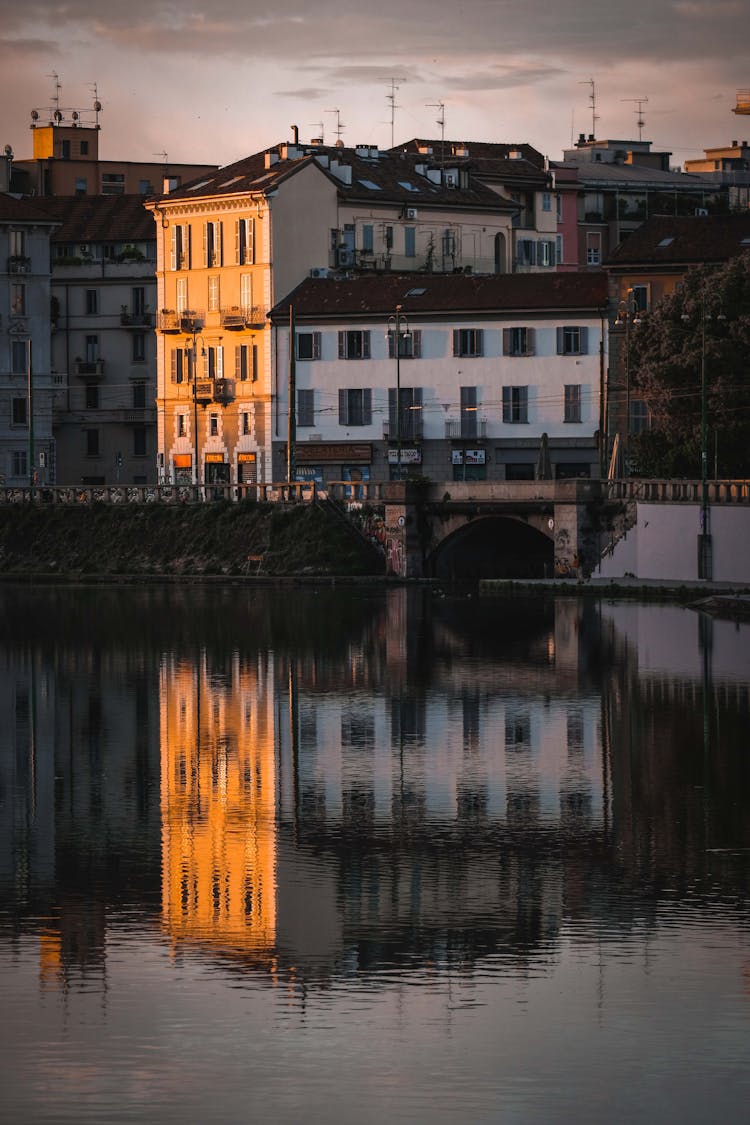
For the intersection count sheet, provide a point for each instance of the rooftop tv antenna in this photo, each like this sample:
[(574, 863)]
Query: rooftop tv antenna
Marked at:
[(592, 98), (640, 102), (392, 99), (339, 127), (163, 155), (441, 122)]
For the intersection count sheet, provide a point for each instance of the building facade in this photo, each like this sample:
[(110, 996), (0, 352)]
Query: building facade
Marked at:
[(444, 377)]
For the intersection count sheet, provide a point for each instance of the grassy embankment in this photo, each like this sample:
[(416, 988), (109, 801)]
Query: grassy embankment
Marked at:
[(190, 541)]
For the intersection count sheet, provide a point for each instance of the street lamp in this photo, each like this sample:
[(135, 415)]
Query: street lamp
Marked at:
[(628, 313), (398, 330), (705, 560)]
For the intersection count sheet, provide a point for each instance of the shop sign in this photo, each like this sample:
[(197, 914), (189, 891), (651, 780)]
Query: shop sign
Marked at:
[(408, 456), (333, 451)]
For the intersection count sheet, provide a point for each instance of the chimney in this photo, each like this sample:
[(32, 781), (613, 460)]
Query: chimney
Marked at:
[(271, 158), (170, 183)]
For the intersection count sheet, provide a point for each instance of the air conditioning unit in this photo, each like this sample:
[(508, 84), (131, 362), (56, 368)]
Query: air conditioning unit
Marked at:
[(411, 212), (450, 180), (320, 271), (344, 256)]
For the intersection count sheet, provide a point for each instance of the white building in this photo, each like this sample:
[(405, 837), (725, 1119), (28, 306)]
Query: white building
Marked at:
[(486, 367)]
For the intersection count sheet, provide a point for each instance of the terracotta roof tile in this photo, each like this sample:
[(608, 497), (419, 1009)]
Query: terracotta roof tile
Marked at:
[(99, 218), (17, 210), (684, 240), (427, 294)]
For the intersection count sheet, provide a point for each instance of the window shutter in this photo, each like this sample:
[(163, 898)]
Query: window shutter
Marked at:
[(205, 245), (552, 253), (507, 341), (479, 341), (392, 412), (174, 366), (457, 341), (219, 248), (220, 361), (583, 337), (316, 345), (416, 343), (560, 341), (173, 255), (391, 344), (250, 253), (343, 407), (530, 348), (187, 246), (238, 361), (367, 407), (366, 344), (237, 241), (342, 345), (255, 363), (506, 404)]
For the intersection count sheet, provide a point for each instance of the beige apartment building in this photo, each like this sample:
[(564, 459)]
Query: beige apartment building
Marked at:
[(232, 244)]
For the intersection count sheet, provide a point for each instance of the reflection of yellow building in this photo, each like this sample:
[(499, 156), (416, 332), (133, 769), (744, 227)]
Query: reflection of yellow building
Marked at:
[(218, 804)]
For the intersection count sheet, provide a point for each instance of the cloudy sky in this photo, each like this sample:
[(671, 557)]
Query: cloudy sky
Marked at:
[(218, 81)]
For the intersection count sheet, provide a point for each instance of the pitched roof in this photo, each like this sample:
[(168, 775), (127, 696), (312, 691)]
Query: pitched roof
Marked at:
[(375, 177), (470, 150), (426, 294), (15, 210), (99, 218), (610, 174), (684, 241)]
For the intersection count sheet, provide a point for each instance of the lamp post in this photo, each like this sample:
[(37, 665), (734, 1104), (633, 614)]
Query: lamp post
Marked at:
[(705, 556), (194, 373), (627, 315), (398, 330), (30, 409)]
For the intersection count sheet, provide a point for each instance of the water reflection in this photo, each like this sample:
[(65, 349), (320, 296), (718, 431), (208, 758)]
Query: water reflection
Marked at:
[(324, 792)]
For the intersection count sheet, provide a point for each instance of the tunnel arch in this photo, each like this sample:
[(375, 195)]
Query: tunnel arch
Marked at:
[(493, 547)]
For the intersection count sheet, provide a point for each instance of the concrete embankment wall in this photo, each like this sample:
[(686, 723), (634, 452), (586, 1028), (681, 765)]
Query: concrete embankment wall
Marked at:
[(663, 544)]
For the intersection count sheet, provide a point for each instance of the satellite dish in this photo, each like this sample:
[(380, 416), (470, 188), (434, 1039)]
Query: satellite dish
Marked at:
[(58, 115), (98, 106), (34, 115), (75, 114), (8, 150)]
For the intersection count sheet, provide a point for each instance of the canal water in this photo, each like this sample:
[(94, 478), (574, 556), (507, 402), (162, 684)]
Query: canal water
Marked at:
[(344, 855)]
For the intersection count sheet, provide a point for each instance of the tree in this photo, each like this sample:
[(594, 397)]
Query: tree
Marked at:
[(704, 326)]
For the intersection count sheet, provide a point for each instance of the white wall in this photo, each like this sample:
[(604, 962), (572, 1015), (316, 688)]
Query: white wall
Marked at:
[(664, 544)]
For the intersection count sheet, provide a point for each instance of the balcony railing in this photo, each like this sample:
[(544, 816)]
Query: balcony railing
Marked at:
[(187, 321), (466, 429), (19, 263), (214, 390), (238, 317), (88, 367), (136, 320)]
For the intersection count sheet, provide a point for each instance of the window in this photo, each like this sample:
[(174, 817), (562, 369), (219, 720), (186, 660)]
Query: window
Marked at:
[(388, 237), (572, 402), (215, 357), (84, 148), (113, 183), (559, 249), (546, 201), (92, 396), (145, 187), (92, 443), (138, 300), (92, 349), (139, 347), (640, 297), (468, 342), (180, 365), (213, 293), (640, 416), (212, 244), (526, 255), (18, 244), (593, 249), (244, 239), (355, 407), (515, 404), (410, 242), (81, 185), (368, 242), (246, 423), (246, 291), (180, 254), (19, 463), (182, 295), (546, 253), (18, 356), (449, 243), (139, 395), (518, 341), (354, 344), (65, 150), (572, 340), (18, 299), (409, 345), (469, 428), (308, 345), (408, 424), (305, 407), (246, 362), (213, 425), (18, 412), (139, 441), (181, 425), (558, 207)]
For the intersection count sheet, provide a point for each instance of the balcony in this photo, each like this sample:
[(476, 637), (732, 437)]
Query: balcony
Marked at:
[(19, 263), (204, 390), (466, 429), (214, 390), (187, 321), (237, 318), (88, 367), (136, 320)]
